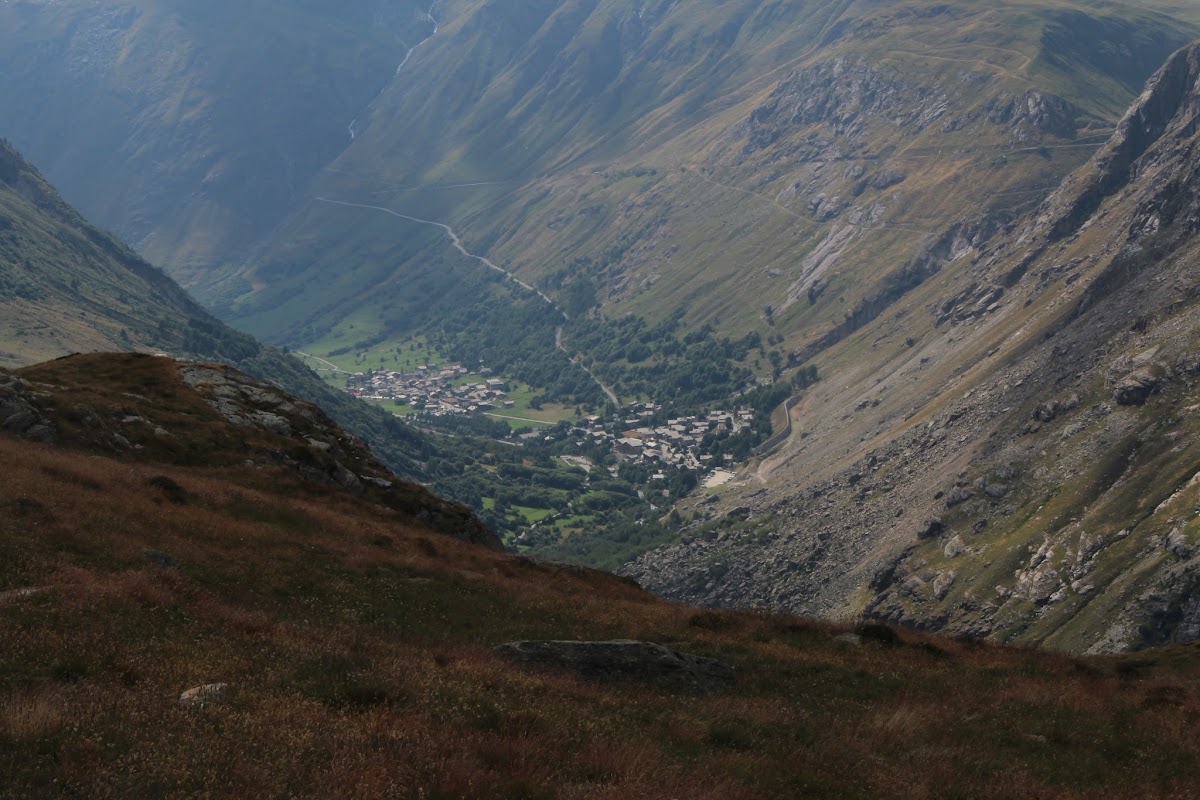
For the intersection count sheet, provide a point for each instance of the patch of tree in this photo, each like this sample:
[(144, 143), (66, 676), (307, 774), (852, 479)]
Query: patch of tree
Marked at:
[(515, 336), (572, 478), (464, 425), (616, 541), (641, 360), (577, 283), (11, 163)]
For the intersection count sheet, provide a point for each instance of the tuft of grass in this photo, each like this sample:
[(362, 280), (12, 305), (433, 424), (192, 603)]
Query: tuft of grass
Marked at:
[(169, 488), (32, 716)]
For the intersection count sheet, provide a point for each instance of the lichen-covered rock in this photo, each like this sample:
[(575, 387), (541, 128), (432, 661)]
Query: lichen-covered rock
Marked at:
[(1047, 412), (958, 496), (913, 587), (931, 529), (954, 548), (992, 489), (942, 584), (18, 414), (1177, 544), (1136, 387), (1038, 585)]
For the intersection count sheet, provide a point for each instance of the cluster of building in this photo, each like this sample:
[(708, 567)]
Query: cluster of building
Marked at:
[(437, 390), (675, 443), (633, 434)]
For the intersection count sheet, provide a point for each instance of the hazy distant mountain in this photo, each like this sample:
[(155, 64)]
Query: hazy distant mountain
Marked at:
[(189, 128), (716, 157)]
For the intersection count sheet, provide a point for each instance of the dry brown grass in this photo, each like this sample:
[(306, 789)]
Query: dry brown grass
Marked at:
[(31, 715), (362, 658)]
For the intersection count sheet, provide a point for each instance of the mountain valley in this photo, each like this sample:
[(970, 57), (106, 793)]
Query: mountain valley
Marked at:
[(930, 249), (565, 399)]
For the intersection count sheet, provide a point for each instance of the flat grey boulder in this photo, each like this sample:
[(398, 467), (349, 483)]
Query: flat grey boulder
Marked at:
[(624, 660)]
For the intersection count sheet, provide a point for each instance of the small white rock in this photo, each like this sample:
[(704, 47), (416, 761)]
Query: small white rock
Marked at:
[(199, 696)]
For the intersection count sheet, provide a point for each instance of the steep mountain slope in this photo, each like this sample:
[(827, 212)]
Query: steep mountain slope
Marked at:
[(190, 128), (719, 158), (1024, 447), (176, 625), (67, 287)]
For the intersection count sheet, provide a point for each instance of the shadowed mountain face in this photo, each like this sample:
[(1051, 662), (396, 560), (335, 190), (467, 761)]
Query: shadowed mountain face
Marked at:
[(714, 157), (66, 286), (193, 130), (190, 128)]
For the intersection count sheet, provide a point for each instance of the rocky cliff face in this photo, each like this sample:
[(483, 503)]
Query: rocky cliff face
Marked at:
[(1019, 457)]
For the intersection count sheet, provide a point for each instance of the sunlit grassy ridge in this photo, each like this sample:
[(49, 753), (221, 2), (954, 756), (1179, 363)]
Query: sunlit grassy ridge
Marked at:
[(359, 646)]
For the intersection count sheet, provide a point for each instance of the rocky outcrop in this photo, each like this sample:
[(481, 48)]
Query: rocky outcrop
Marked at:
[(624, 660), (1136, 387), (1170, 95), (150, 409), (337, 457), (1033, 112), (18, 414), (844, 95)]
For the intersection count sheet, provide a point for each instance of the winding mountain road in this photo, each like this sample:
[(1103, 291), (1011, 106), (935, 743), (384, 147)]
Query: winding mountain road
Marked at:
[(561, 345), (456, 241), (333, 367)]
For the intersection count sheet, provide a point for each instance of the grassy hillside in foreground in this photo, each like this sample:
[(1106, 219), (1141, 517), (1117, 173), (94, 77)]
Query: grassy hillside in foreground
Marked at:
[(358, 647)]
